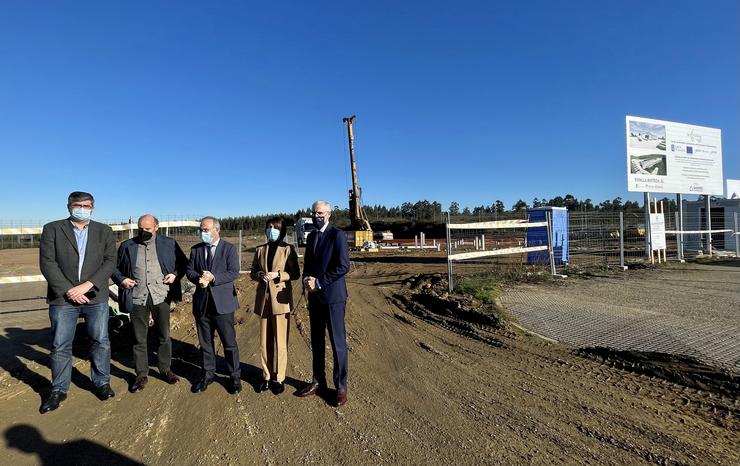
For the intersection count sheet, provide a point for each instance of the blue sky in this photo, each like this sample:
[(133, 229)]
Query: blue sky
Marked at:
[(233, 108)]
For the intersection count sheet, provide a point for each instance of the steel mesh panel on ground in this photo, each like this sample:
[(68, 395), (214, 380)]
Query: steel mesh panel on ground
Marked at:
[(580, 316)]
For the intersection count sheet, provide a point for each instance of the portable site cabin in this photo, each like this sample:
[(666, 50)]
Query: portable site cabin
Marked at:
[(723, 212), (538, 236)]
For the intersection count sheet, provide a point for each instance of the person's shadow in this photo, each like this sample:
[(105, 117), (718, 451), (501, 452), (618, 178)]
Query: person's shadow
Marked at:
[(35, 345), (76, 452), (20, 343)]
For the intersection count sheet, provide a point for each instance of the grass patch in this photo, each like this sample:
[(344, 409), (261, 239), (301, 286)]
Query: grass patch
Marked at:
[(487, 286), (483, 287)]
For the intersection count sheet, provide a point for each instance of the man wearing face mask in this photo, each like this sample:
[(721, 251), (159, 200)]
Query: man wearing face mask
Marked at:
[(213, 268), (148, 274), (274, 267), (325, 264), (77, 257)]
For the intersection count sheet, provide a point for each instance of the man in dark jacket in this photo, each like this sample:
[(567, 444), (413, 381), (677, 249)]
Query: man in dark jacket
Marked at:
[(77, 257), (213, 267), (148, 273), (325, 264)]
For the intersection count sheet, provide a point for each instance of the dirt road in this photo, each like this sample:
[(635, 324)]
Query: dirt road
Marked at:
[(419, 393)]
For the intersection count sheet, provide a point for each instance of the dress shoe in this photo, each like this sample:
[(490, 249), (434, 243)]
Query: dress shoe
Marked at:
[(277, 387), (263, 386), (202, 384), (235, 386), (139, 384), (170, 377), (308, 390), (341, 397), (104, 392), (53, 401)]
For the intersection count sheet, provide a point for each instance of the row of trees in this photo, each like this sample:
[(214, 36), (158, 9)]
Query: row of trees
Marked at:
[(432, 211), (568, 201)]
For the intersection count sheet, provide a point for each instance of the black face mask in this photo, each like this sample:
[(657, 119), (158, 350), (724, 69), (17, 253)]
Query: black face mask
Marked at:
[(319, 222), (144, 235)]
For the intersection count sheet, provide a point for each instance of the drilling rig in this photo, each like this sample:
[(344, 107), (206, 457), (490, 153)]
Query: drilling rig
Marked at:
[(360, 224)]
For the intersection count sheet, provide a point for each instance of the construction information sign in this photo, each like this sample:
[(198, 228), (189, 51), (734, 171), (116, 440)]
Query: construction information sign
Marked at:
[(657, 231), (668, 157)]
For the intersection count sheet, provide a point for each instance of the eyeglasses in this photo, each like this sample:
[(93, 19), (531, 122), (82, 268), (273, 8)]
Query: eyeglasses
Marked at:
[(82, 206)]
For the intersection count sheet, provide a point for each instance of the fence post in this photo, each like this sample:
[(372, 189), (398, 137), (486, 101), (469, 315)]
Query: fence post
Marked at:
[(621, 240), (648, 246), (483, 242), (709, 224), (240, 251), (548, 216), (679, 226), (737, 238), (449, 251)]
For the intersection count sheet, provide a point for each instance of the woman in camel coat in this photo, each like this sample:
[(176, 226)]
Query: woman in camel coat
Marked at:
[(274, 266)]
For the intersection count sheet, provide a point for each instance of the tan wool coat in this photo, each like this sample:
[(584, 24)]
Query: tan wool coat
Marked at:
[(280, 290)]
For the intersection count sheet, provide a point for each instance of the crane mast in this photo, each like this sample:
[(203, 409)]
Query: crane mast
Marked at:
[(358, 217)]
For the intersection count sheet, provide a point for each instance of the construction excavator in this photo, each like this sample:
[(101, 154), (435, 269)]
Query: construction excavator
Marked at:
[(362, 232)]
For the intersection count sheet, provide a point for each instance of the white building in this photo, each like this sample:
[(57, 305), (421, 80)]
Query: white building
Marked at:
[(724, 212)]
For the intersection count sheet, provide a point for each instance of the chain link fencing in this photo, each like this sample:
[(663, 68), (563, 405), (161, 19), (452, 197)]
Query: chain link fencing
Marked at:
[(595, 240)]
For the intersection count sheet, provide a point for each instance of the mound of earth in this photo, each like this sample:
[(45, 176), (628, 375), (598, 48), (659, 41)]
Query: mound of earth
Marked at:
[(427, 296), (682, 370)]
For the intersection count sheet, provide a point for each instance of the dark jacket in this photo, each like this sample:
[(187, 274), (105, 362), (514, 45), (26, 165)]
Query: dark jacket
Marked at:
[(171, 260), (225, 271), (329, 263), (59, 259)]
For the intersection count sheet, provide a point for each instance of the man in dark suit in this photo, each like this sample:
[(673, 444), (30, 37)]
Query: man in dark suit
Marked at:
[(148, 273), (77, 257), (325, 264), (213, 267)]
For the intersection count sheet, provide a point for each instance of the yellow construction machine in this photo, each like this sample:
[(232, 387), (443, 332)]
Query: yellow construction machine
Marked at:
[(362, 234)]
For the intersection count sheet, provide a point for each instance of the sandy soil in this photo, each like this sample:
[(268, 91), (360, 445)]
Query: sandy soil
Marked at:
[(421, 391)]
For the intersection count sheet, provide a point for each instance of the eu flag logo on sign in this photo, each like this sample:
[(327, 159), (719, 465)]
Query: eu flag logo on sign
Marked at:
[(689, 150)]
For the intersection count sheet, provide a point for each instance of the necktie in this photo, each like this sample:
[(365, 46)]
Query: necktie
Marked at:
[(209, 260), (318, 240)]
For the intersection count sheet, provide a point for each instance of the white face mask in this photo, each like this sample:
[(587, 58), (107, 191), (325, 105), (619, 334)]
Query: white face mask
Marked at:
[(81, 214)]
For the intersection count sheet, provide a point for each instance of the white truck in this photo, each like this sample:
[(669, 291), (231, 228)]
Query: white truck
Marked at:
[(303, 227)]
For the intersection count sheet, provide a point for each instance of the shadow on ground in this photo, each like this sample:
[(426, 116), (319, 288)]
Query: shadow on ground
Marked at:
[(29, 440)]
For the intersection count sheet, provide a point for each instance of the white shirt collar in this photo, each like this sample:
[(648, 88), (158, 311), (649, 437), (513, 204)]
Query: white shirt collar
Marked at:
[(326, 224)]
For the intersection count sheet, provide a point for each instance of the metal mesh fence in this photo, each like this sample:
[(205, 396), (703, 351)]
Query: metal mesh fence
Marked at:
[(606, 238), (597, 239), (507, 242)]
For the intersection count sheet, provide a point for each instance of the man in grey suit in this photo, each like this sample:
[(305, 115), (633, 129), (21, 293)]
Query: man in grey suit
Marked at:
[(77, 257)]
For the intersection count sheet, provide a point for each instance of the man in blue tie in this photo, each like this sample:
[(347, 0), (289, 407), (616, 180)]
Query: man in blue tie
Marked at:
[(326, 263), (213, 267)]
